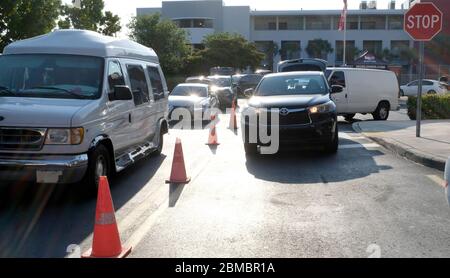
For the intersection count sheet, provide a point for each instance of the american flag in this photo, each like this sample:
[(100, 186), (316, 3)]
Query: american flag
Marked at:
[(343, 17)]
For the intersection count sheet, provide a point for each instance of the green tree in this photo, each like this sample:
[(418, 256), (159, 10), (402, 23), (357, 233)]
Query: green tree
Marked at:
[(319, 48), (90, 16), (164, 36), (22, 19), (230, 50)]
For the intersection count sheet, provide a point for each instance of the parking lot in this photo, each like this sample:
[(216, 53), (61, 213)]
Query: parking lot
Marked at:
[(364, 201)]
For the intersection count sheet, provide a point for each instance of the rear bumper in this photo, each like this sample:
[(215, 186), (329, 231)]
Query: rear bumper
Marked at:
[(43, 169)]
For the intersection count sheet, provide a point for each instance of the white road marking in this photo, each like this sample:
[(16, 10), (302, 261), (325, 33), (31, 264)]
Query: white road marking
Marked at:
[(359, 146), (345, 135), (437, 180)]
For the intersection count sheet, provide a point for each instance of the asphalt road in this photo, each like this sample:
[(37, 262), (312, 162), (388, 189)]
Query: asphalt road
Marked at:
[(364, 201)]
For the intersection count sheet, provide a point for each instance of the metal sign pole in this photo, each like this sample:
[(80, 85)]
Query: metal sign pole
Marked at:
[(419, 90)]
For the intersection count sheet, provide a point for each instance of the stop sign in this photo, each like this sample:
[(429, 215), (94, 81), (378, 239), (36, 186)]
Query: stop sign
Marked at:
[(423, 21)]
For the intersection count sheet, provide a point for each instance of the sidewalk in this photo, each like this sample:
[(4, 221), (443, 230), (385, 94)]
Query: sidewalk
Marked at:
[(432, 149)]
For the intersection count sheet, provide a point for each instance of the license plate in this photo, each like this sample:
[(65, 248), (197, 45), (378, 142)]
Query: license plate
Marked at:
[(48, 176)]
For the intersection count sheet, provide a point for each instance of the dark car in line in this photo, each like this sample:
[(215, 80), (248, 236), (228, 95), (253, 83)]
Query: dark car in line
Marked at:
[(307, 114), (220, 85), (246, 81)]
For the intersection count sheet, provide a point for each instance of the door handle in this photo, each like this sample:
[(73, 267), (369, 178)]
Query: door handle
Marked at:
[(129, 118)]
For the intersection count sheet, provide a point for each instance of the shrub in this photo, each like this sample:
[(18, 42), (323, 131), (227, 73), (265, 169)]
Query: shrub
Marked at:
[(434, 107)]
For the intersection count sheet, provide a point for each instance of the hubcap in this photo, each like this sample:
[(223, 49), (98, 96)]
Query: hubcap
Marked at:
[(383, 112), (100, 168)]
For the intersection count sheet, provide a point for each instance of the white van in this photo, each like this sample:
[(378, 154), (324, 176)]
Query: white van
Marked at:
[(364, 91), (76, 105)]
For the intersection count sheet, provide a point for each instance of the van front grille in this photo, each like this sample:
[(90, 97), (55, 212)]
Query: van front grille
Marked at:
[(21, 138)]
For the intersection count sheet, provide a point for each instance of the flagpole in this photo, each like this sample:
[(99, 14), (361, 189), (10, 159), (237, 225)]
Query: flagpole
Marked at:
[(345, 39)]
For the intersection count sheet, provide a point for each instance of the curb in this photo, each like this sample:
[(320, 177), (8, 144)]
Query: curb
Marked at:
[(408, 153)]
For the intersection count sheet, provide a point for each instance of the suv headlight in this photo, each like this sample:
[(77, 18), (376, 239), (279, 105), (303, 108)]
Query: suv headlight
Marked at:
[(64, 136), (322, 108)]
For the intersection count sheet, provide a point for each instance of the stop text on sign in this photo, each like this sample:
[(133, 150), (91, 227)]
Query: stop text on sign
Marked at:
[(423, 21)]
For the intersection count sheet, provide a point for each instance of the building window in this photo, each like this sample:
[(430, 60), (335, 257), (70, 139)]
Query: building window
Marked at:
[(268, 48), (290, 50), (265, 23), (374, 47), (350, 51), (318, 22), (395, 22), (397, 47), (373, 22), (352, 22), (194, 23), (290, 23)]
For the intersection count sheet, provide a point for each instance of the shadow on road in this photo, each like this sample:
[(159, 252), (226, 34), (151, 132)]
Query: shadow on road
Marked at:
[(42, 220)]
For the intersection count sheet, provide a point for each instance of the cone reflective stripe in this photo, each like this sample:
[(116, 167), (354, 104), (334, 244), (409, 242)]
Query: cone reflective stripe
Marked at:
[(178, 174), (212, 138), (106, 240)]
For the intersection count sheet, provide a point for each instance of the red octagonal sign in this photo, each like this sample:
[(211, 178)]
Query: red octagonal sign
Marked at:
[(423, 21)]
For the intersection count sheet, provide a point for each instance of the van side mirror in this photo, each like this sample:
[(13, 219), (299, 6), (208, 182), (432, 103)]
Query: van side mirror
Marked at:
[(121, 92), (335, 89), (249, 92)]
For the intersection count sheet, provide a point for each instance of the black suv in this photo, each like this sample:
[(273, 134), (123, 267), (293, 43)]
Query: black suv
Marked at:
[(307, 115)]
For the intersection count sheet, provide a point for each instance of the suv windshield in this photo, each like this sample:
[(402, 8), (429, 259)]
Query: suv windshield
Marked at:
[(221, 81), (189, 91), (292, 85), (51, 76)]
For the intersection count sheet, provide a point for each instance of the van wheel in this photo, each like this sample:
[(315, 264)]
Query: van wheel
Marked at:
[(349, 117), (250, 149), (382, 112), (99, 165), (332, 146), (160, 144)]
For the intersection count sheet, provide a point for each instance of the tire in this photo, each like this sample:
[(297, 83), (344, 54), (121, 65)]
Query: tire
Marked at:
[(250, 149), (160, 144), (431, 92), (349, 117), (99, 165), (382, 111), (402, 94), (332, 146)]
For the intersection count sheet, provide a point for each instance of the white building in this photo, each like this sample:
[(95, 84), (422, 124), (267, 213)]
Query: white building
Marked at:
[(367, 28)]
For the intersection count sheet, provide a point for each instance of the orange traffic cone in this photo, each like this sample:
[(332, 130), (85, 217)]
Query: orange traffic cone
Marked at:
[(106, 242), (178, 175), (212, 139), (233, 121)]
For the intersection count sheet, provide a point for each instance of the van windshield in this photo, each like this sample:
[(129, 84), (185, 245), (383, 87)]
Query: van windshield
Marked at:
[(51, 76)]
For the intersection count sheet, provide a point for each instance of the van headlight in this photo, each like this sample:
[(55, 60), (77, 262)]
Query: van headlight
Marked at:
[(322, 108), (64, 136)]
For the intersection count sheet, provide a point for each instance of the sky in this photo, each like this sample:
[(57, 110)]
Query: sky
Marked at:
[(127, 8)]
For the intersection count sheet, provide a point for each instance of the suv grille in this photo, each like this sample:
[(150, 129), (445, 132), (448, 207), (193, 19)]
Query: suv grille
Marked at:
[(21, 138), (294, 117)]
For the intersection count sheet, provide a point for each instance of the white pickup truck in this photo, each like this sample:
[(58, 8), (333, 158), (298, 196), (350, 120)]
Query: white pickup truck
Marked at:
[(76, 105)]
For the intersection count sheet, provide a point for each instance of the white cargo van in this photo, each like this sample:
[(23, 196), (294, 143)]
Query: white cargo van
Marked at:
[(76, 105), (364, 91)]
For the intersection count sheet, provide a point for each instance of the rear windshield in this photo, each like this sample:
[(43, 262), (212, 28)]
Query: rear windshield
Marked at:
[(292, 85), (190, 91), (300, 67)]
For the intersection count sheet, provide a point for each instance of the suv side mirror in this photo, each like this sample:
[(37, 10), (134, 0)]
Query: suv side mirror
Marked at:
[(249, 92), (337, 89), (121, 92)]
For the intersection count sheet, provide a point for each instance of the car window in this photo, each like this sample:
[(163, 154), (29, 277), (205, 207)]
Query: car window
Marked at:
[(414, 83), (156, 83), (427, 83), (338, 78), (115, 75), (190, 91), (221, 81), (292, 85), (139, 86)]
